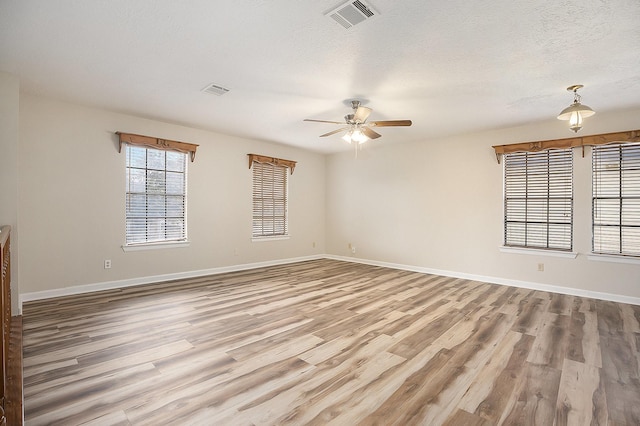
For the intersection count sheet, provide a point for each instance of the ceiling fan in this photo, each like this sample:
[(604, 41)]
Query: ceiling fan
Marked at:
[(357, 128)]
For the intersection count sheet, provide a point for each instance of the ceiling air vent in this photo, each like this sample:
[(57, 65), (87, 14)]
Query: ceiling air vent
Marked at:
[(215, 90), (351, 13)]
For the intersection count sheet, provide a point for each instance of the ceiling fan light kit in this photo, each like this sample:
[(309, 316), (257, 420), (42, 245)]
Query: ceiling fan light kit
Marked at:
[(358, 129), (576, 112), (355, 135)]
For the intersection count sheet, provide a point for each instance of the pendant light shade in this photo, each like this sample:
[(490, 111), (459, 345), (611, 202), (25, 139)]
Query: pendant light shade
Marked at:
[(576, 112)]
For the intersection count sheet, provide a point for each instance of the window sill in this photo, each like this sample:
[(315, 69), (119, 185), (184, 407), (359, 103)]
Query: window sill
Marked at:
[(614, 259), (155, 246), (539, 252), (262, 239)]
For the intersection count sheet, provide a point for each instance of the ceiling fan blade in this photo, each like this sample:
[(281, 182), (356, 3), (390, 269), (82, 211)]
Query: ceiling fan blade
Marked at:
[(370, 133), (334, 132), (362, 113), (324, 121), (388, 123)]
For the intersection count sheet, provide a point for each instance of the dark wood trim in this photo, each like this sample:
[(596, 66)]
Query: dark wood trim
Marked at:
[(5, 315), (14, 373), (10, 342)]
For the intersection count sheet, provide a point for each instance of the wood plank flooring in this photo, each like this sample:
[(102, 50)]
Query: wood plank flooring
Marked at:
[(330, 342)]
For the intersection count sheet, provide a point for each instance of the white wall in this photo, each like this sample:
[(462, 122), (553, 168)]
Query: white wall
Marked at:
[(438, 205), (435, 205), (9, 124), (9, 119), (71, 202)]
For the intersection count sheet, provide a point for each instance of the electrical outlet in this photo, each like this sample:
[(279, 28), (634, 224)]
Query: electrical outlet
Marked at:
[(353, 249), (107, 264), (540, 267)]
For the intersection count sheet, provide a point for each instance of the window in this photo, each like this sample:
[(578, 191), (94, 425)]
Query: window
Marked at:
[(616, 199), (270, 186), (156, 195), (538, 199)]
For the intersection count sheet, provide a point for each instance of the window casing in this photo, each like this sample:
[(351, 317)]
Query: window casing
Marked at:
[(538, 199), (270, 200), (616, 199), (156, 196)]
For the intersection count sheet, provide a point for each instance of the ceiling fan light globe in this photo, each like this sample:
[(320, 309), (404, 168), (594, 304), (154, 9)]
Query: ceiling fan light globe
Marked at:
[(358, 136)]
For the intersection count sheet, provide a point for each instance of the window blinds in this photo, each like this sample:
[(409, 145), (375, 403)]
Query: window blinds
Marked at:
[(156, 195), (538, 202), (616, 199), (269, 200)]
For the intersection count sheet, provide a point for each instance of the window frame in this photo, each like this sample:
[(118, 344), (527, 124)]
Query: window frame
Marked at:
[(270, 204), (560, 204), (601, 155), (168, 241)]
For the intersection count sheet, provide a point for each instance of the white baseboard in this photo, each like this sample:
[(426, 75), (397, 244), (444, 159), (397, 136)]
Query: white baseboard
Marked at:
[(495, 280), (110, 285)]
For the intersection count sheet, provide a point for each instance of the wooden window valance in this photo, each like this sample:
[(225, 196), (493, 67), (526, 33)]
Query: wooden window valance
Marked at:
[(601, 139), (271, 160), (157, 143)]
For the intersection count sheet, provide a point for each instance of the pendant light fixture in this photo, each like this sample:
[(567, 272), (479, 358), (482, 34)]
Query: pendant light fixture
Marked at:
[(575, 112)]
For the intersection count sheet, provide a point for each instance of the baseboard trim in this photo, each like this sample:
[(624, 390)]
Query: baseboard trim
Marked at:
[(496, 280), (111, 285)]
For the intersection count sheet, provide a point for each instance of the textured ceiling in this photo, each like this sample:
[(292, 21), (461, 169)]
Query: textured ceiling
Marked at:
[(450, 66)]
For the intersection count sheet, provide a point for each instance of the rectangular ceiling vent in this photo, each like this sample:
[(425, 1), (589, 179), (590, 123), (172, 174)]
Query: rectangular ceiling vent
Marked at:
[(215, 90), (351, 13)]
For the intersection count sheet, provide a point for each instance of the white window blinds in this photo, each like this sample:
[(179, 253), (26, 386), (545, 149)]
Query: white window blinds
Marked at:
[(270, 186), (155, 195), (616, 199), (538, 199)]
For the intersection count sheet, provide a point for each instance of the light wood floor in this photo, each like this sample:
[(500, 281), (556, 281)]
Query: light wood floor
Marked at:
[(329, 342)]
